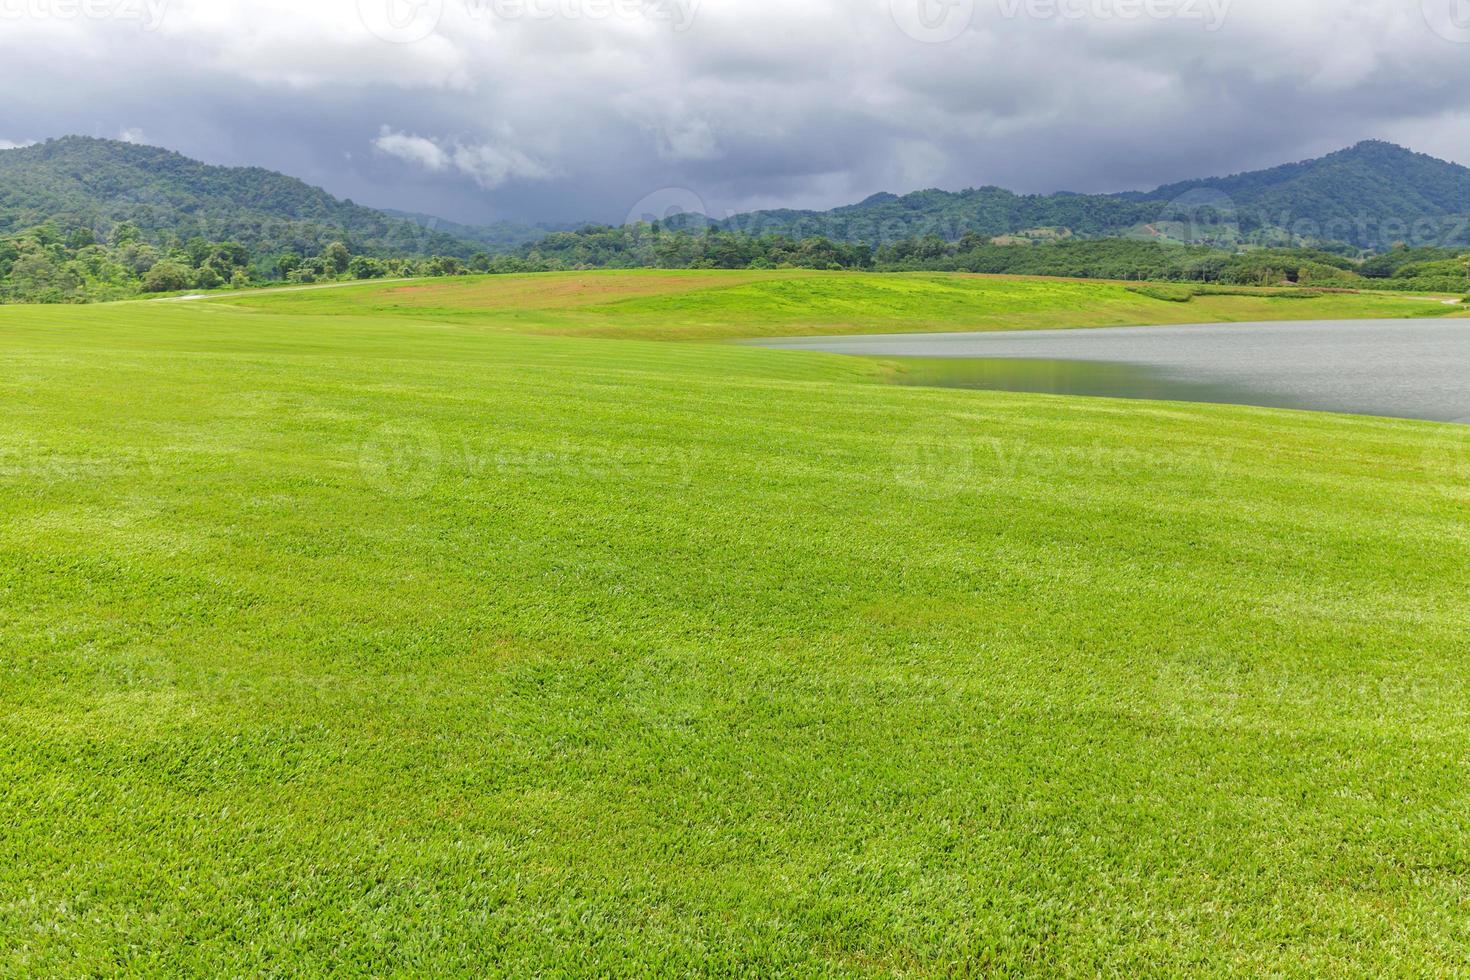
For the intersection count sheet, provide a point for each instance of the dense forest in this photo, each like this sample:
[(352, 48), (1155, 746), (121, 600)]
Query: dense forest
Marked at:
[(46, 265), (1427, 269)]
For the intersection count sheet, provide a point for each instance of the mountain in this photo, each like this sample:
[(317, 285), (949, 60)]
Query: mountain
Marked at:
[(1372, 196), (986, 211), (499, 238), (82, 183)]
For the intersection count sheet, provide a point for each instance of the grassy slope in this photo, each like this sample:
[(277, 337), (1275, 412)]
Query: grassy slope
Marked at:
[(376, 645), (725, 305)]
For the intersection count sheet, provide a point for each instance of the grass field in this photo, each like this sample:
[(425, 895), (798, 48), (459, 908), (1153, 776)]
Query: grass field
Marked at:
[(666, 305), (344, 634)]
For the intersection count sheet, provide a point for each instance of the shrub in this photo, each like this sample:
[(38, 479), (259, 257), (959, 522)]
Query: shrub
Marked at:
[(1168, 294), (167, 277)]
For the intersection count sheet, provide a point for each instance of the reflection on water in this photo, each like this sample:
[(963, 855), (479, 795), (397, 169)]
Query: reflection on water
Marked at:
[(1061, 377), (1405, 368)]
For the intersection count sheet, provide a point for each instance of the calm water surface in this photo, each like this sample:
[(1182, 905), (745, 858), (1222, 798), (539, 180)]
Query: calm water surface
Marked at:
[(1403, 368)]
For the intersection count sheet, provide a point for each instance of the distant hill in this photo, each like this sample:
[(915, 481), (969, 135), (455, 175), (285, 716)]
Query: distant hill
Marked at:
[(1369, 196), (986, 211), (1372, 195), (82, 183), (498, 238)]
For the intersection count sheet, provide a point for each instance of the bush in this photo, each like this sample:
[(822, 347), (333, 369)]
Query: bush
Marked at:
[(363, 267), (167, 277), (1168, 294)]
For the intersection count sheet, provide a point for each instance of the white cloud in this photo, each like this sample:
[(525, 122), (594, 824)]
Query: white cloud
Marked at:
[(14, 145), (315, 45), (132, 135), (492, 166), (489, 165), (414, 149)]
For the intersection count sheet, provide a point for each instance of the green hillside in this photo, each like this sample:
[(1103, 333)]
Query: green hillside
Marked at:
[(79, 183), (500, 237), (706, 305), (1371, 195)]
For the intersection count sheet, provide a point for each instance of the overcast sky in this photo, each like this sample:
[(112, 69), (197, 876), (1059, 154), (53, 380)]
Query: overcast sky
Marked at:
[(581, 109)]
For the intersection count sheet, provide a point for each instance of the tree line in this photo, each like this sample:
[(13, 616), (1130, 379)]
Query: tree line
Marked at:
[(648, 245), (45, 264)]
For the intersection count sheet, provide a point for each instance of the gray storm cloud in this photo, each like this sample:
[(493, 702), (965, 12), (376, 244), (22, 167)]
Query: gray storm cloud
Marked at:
[(578, 109)]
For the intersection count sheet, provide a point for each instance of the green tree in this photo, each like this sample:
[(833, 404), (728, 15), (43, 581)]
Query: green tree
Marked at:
[(137, 258), (337, 257), (363, 267), (125, 233), (167, 277), (197, 250), (228, 256)]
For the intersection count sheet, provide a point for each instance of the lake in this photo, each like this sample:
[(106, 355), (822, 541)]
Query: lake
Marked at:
[(1401, 368)]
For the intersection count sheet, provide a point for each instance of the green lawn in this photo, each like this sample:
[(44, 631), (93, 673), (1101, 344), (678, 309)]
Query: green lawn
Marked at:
[(667, 305), (339, 641)]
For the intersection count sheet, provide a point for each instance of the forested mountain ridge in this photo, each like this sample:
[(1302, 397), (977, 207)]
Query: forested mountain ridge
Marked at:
[(83, 220), (498, 238), (1372, 195), (988, 211), (1371, 173), (80, 183)]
